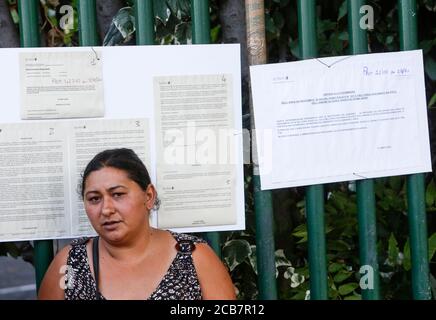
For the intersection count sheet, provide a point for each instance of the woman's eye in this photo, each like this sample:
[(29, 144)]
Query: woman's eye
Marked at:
[(93, 199), (118, 195)]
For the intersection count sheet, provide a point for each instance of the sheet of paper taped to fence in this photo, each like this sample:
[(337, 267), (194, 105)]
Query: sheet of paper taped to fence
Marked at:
[(340, 118), (41, 159), (61, 84)]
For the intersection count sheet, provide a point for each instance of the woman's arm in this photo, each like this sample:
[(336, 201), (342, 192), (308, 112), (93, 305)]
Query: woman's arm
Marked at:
[(52, 286), (215, 281)]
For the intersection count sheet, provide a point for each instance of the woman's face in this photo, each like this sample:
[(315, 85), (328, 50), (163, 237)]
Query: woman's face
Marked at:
[(117, 206)]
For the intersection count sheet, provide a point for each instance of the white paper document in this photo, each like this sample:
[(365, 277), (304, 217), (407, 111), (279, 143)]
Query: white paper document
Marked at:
[(40, 170), (196, 167), (61, 84), (35, 197), (340, 118)]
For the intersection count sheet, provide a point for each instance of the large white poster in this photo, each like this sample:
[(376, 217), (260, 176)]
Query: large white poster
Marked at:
[(48, 156), (340, 118)]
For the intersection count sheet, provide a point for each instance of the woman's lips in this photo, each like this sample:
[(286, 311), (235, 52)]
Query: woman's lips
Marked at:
[(110, 225)]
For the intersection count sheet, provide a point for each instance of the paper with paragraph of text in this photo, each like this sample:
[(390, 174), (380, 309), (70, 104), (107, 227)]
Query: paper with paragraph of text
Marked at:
[(340, 118), (61, 85)]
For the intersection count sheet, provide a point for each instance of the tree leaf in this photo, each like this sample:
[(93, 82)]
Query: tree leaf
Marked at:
[(300, 232), (343, 36), (389, 39), (281, 260), (253, 258), (341, 276), (335, 267), (431, 246), (426, 45), (295, 50), (396, 183), (184, 6), (433, 284), (342, 10), (235, 252), (347, 288), (339, 245), (407, 264), (392, 250), (430, 193), (161, 10), (430, 5), (270, 27), (183, 32), (279, 21), (432, 101), (172, 5), (353, 297), (430, 67)]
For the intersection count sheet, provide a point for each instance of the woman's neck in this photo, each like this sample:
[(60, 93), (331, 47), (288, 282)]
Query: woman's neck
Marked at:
[(131, 250)]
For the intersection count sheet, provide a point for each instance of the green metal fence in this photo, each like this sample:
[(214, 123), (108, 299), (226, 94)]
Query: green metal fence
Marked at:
[(30, 37)]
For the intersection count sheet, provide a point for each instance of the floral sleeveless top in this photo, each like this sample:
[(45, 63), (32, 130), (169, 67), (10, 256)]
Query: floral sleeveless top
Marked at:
[(179, 283)]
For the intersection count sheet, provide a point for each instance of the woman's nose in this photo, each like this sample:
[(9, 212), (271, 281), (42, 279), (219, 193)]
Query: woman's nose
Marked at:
[(108, 207)]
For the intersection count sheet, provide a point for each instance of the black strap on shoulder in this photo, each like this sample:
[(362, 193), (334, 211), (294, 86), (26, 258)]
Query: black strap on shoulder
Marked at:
[(95, 261), (185, 246)]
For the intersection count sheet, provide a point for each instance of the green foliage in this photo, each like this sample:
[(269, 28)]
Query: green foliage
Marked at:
[(174, 24), (53, 32), (343, 264)]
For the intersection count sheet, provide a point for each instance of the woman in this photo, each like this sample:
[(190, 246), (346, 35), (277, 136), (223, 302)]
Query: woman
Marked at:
[(129, 259)]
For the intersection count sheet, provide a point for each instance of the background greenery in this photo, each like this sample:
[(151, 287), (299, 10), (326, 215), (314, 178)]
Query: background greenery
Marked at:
[(173, 26)]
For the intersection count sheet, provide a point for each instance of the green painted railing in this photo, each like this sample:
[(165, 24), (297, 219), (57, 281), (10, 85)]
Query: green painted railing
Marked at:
[(415, 183), (87, 23), (30, 37), (201, 35), (307, 37), (364, 188), (144, 18)]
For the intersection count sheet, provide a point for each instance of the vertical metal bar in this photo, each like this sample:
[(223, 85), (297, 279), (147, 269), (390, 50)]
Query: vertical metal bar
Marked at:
[(418, 237), (87, 23), (200, 21), (358, 36), (263, 208), (316, 242), (368, 236), (29, 37), (365, 188), (307, 35), (265, 247), (29, 24), (144, 19), (407, 11), (201, 35), (314, 194)]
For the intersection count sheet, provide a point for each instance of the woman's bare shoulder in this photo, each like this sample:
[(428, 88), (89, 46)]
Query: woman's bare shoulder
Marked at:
[(52, 286), (214, 278)]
